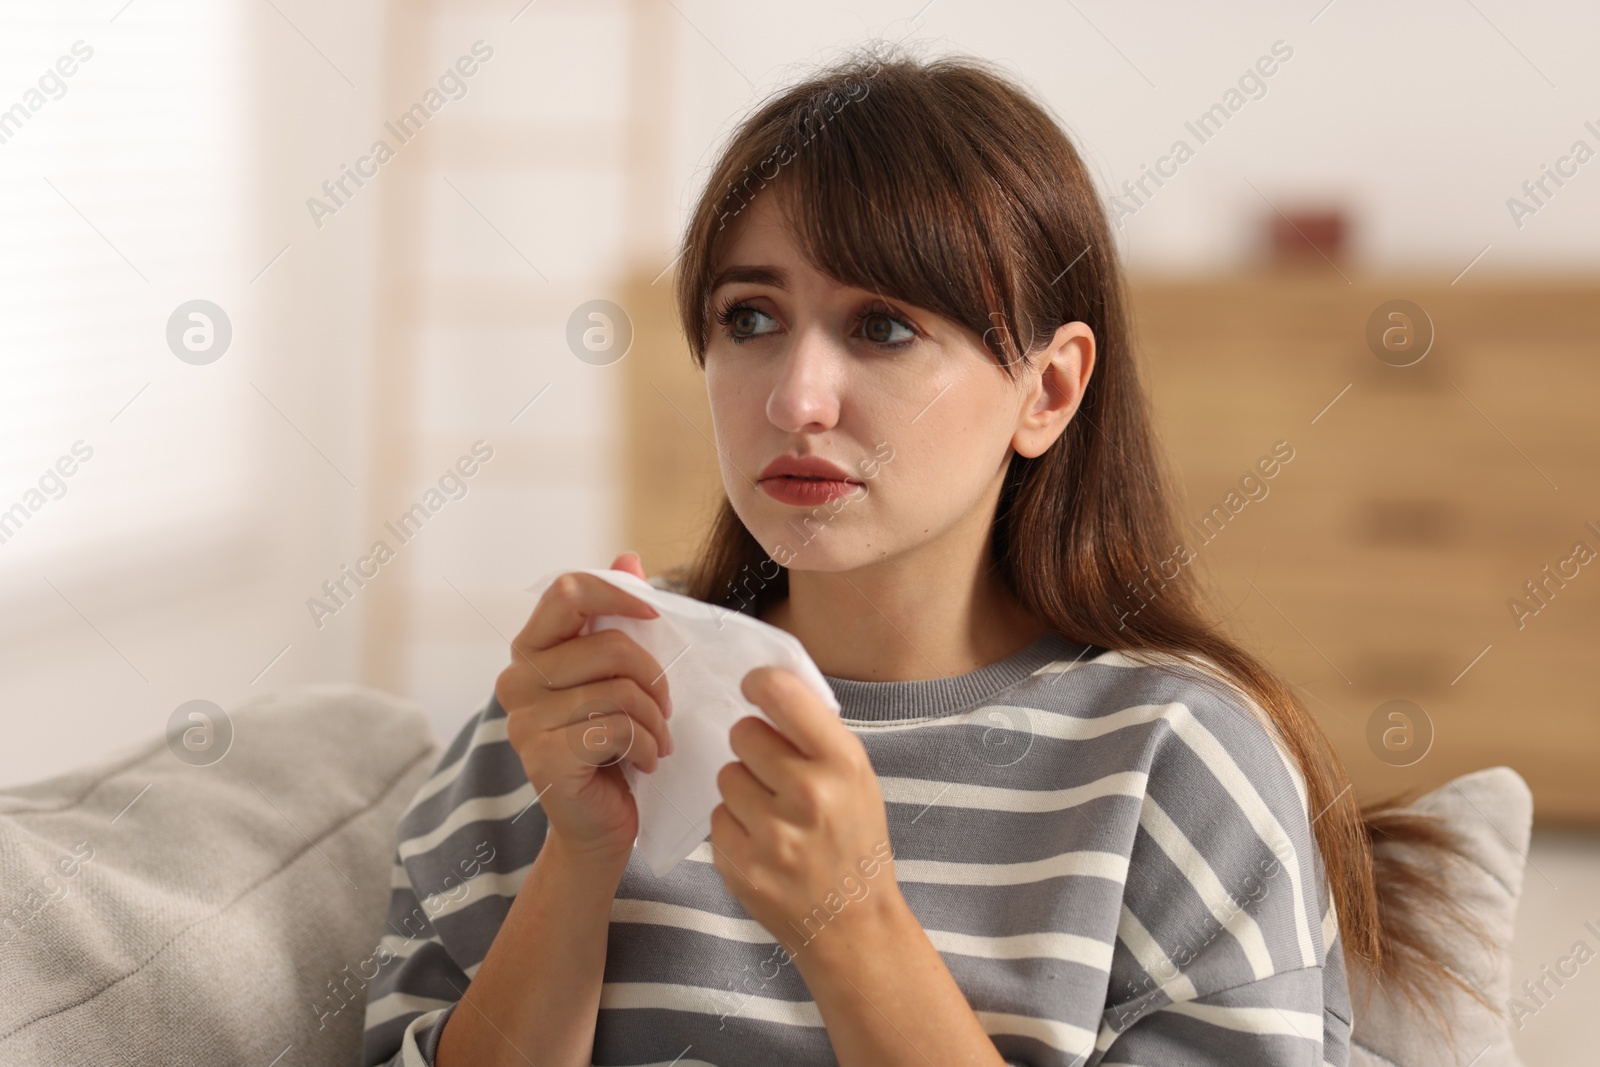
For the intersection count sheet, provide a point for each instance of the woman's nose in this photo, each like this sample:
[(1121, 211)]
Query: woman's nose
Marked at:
[(805, 393)]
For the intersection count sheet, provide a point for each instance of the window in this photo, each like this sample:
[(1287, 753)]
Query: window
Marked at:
[(121, 186)]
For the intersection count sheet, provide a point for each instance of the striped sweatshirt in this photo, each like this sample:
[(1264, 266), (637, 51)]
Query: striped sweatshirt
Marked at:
[(1114, 859)]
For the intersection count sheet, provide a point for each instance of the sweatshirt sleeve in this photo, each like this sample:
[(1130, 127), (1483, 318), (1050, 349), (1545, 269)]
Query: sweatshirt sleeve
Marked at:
[(463, 848), (1274, 1020), (1227, 946), (418, 984)]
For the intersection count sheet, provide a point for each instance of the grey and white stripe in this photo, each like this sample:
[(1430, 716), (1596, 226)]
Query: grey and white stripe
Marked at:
[(1131, 878)]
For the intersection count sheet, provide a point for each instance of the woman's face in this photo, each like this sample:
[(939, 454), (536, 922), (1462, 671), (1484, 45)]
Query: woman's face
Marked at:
[(908, 404)]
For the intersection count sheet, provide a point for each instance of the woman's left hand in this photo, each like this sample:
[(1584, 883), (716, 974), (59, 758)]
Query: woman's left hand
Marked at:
[(801, 838)]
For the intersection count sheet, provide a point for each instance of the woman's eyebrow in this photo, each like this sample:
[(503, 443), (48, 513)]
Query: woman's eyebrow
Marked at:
[(758, 275)]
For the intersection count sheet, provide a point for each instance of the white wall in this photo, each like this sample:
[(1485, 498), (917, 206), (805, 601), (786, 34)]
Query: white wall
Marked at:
[(1422, 117)]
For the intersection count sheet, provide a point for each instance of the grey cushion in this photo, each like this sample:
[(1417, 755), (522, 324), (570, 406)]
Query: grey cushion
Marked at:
[(1492, 810), (205, 923)]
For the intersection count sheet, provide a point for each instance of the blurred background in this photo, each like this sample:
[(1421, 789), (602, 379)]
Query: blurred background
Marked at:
[(242, 344)]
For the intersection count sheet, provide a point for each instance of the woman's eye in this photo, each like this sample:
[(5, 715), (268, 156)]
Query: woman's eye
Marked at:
[(746, 322), (883, 329)]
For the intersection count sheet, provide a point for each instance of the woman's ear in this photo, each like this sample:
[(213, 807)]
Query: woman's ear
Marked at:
[(1058, 376)]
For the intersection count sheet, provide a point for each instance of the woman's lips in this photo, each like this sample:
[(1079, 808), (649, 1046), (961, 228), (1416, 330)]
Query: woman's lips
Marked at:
[(805, 491)]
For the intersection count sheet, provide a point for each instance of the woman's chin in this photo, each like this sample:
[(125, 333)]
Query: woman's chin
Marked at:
[(823, 554)]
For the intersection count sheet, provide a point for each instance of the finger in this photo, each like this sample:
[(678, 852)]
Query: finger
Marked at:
[(610, 656), (799, 715), (726, 832), (616, 695), (630, 562), (568, 603), (601, 655), (602, 739), (765, 752), (748, 800)]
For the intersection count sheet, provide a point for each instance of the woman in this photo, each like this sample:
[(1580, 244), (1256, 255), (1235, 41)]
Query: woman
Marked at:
[(1062, 820)]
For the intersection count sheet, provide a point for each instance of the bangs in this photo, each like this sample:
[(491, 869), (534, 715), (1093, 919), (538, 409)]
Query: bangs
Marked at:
[(890, 182)]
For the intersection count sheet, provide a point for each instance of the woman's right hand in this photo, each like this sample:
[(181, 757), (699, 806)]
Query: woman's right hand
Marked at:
[(576, 706)]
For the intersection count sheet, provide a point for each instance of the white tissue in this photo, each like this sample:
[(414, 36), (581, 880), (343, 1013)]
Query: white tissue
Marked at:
[(705, 650)]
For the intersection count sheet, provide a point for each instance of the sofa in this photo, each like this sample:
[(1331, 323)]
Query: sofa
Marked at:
[(160, 909)]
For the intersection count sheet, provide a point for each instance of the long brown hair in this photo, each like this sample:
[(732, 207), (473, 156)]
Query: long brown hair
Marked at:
[(945, 185)]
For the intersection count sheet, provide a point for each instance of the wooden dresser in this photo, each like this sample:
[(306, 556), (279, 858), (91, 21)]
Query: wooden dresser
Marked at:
[(1381, 563)]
